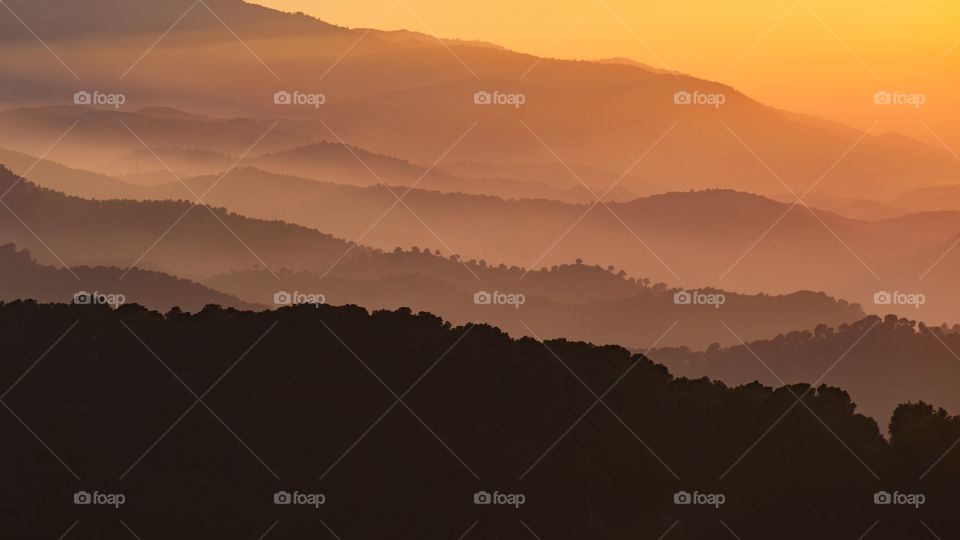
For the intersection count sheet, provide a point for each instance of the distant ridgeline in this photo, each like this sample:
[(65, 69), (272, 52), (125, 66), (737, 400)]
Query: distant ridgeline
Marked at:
[(397, 425)]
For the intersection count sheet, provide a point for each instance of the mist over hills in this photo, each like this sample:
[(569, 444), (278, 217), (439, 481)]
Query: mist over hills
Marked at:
[(173, 236), (248, 256), (22, 277), (880, 362), (574, 301), (61, 20), (415, 98), (103, 140), (685, 239)]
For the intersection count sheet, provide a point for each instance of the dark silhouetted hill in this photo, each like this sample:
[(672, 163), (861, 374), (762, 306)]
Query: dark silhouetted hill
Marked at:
[(880, 362), (293, 398)]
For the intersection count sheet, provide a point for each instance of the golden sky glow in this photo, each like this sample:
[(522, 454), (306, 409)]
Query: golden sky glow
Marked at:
[(821, 57)]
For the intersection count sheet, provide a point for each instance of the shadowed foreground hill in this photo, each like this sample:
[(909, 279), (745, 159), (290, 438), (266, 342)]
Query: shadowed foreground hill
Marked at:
[(302, 394), (882, 363)]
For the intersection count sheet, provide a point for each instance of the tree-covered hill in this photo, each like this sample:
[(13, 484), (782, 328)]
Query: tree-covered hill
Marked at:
[(399, 419)]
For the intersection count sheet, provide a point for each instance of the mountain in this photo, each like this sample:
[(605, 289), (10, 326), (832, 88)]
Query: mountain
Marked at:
[(112, 141), (693, 242), (931, 199), (22, 277), (479, 411), (77, 182), (880, 362), (851, 207), (184, 162), (345, 164), (414, 98), (578, 302), (170, 236), (62, 20)]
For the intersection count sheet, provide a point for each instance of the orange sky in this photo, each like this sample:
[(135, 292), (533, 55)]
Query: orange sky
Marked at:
[(820, 57)]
